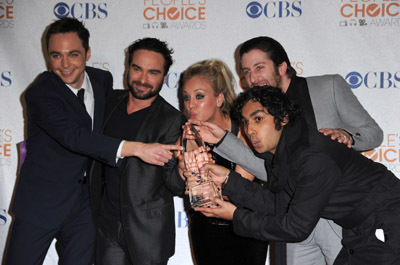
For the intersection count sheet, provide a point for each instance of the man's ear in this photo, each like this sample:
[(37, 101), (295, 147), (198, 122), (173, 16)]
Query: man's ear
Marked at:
[(282, 68), (88, 54)]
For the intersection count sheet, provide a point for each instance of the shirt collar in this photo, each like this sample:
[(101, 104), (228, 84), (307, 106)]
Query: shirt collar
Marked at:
[(85, 85)]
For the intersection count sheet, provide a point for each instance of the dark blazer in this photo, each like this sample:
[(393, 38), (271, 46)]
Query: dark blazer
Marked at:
[(147, 206), (60, 145), (310, 176)]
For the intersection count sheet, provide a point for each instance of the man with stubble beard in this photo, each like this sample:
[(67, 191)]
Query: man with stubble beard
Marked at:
[(133, 203)]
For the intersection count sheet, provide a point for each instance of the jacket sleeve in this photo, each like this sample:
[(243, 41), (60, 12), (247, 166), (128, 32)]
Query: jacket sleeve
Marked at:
[(233, 149), (49, 111), (336, 106), (310, 196), (172, 178), (366, 132)]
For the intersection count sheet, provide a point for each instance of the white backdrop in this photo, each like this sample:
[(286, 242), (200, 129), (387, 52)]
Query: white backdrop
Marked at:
[(358, 39)]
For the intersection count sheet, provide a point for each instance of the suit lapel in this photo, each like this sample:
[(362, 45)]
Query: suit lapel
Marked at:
[(98, 102), (298, 91), (149, 125), (72, 99)]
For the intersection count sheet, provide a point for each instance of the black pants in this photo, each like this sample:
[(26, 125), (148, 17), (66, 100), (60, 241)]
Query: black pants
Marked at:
[(214, 242), (28, 243), (361, 246), (111, 248)]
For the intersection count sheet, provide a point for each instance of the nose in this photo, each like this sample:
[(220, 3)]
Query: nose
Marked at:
[(143, 78), (65, 61), (252, 78), (249, 129), (191, 104)]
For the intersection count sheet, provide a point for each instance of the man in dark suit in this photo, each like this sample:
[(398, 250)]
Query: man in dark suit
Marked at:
[(135, 213), (52, 195), (310, 177)]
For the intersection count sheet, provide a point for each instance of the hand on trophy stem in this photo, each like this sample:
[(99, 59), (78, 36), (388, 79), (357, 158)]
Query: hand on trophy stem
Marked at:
[(218, 174), (192, 179)]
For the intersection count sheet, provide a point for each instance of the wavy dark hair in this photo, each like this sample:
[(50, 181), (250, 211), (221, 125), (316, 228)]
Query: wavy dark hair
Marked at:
[(67, 25), (272, 48), (154, 45), (277, 103)]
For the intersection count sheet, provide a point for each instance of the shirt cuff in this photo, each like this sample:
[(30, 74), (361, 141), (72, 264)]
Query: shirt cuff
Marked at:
[(119, 151)]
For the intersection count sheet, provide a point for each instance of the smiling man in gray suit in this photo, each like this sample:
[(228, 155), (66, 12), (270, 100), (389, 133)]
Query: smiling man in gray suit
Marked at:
[(328, 104)]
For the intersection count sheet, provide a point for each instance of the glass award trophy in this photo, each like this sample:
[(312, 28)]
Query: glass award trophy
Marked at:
[(195, 156)]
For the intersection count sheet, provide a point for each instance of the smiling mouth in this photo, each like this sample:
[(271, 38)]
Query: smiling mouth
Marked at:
[(141, 87), (67, 73), (263, 83)]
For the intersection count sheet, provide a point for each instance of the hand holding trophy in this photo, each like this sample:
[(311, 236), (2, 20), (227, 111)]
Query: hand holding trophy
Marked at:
[(195, 156)]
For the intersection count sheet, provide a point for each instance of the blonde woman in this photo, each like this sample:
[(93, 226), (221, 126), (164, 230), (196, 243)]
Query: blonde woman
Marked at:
[(206, 93)]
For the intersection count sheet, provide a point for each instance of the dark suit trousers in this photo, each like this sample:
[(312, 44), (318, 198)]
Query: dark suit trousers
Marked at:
[(361, 246), (28, 243), (111, 246)]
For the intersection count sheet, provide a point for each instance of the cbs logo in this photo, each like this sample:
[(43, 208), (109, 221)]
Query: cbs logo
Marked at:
[(81, 10), (274, 9)]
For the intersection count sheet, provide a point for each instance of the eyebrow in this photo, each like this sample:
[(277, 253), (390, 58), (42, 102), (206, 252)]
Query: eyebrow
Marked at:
[(56, 52), (256, 64), (150, 70), (256, 112)]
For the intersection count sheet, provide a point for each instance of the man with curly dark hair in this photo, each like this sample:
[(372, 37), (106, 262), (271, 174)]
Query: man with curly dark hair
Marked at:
[(310, 177)]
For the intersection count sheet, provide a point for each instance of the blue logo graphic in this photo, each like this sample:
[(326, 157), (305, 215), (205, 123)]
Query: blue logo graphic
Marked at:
[(254, 9), (3, 216), (274, 9), (81, 10), (373, 80), (182, 220), (172, 80), (354, 79), (5, 79), (61, 10)]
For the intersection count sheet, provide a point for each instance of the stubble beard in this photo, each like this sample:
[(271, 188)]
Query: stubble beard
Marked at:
[(150, 94)]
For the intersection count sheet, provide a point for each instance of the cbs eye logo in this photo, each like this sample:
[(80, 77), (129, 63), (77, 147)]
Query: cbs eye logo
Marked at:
[(354, 79), (61, 10), (254, 9)]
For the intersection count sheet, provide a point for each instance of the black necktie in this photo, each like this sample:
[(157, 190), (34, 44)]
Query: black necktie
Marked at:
[(81, 94)]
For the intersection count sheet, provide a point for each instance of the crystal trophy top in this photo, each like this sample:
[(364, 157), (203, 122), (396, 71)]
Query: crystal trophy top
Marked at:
[(195, 156)]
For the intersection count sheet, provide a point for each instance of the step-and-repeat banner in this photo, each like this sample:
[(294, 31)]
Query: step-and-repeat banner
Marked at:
[(358, 39)]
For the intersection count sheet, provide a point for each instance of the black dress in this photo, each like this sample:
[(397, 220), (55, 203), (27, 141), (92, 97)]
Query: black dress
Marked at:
[(213, 239)]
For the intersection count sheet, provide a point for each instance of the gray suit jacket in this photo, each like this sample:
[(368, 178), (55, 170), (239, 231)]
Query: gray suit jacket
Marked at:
[(334, 105)]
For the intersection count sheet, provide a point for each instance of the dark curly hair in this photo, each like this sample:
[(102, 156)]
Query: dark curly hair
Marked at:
[(154, 45), (277, 103)]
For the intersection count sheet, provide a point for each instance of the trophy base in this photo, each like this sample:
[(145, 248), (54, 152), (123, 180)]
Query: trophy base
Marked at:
[(202, 195)]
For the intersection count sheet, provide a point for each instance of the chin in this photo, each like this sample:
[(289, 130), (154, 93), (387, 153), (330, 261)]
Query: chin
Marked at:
[(260, 150)]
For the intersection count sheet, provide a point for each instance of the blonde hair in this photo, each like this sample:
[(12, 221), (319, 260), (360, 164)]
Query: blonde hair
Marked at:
[(220, 77)]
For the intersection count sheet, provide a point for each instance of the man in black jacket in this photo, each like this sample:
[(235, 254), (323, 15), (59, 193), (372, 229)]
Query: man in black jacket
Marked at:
[(311, 176), (135, 213)]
